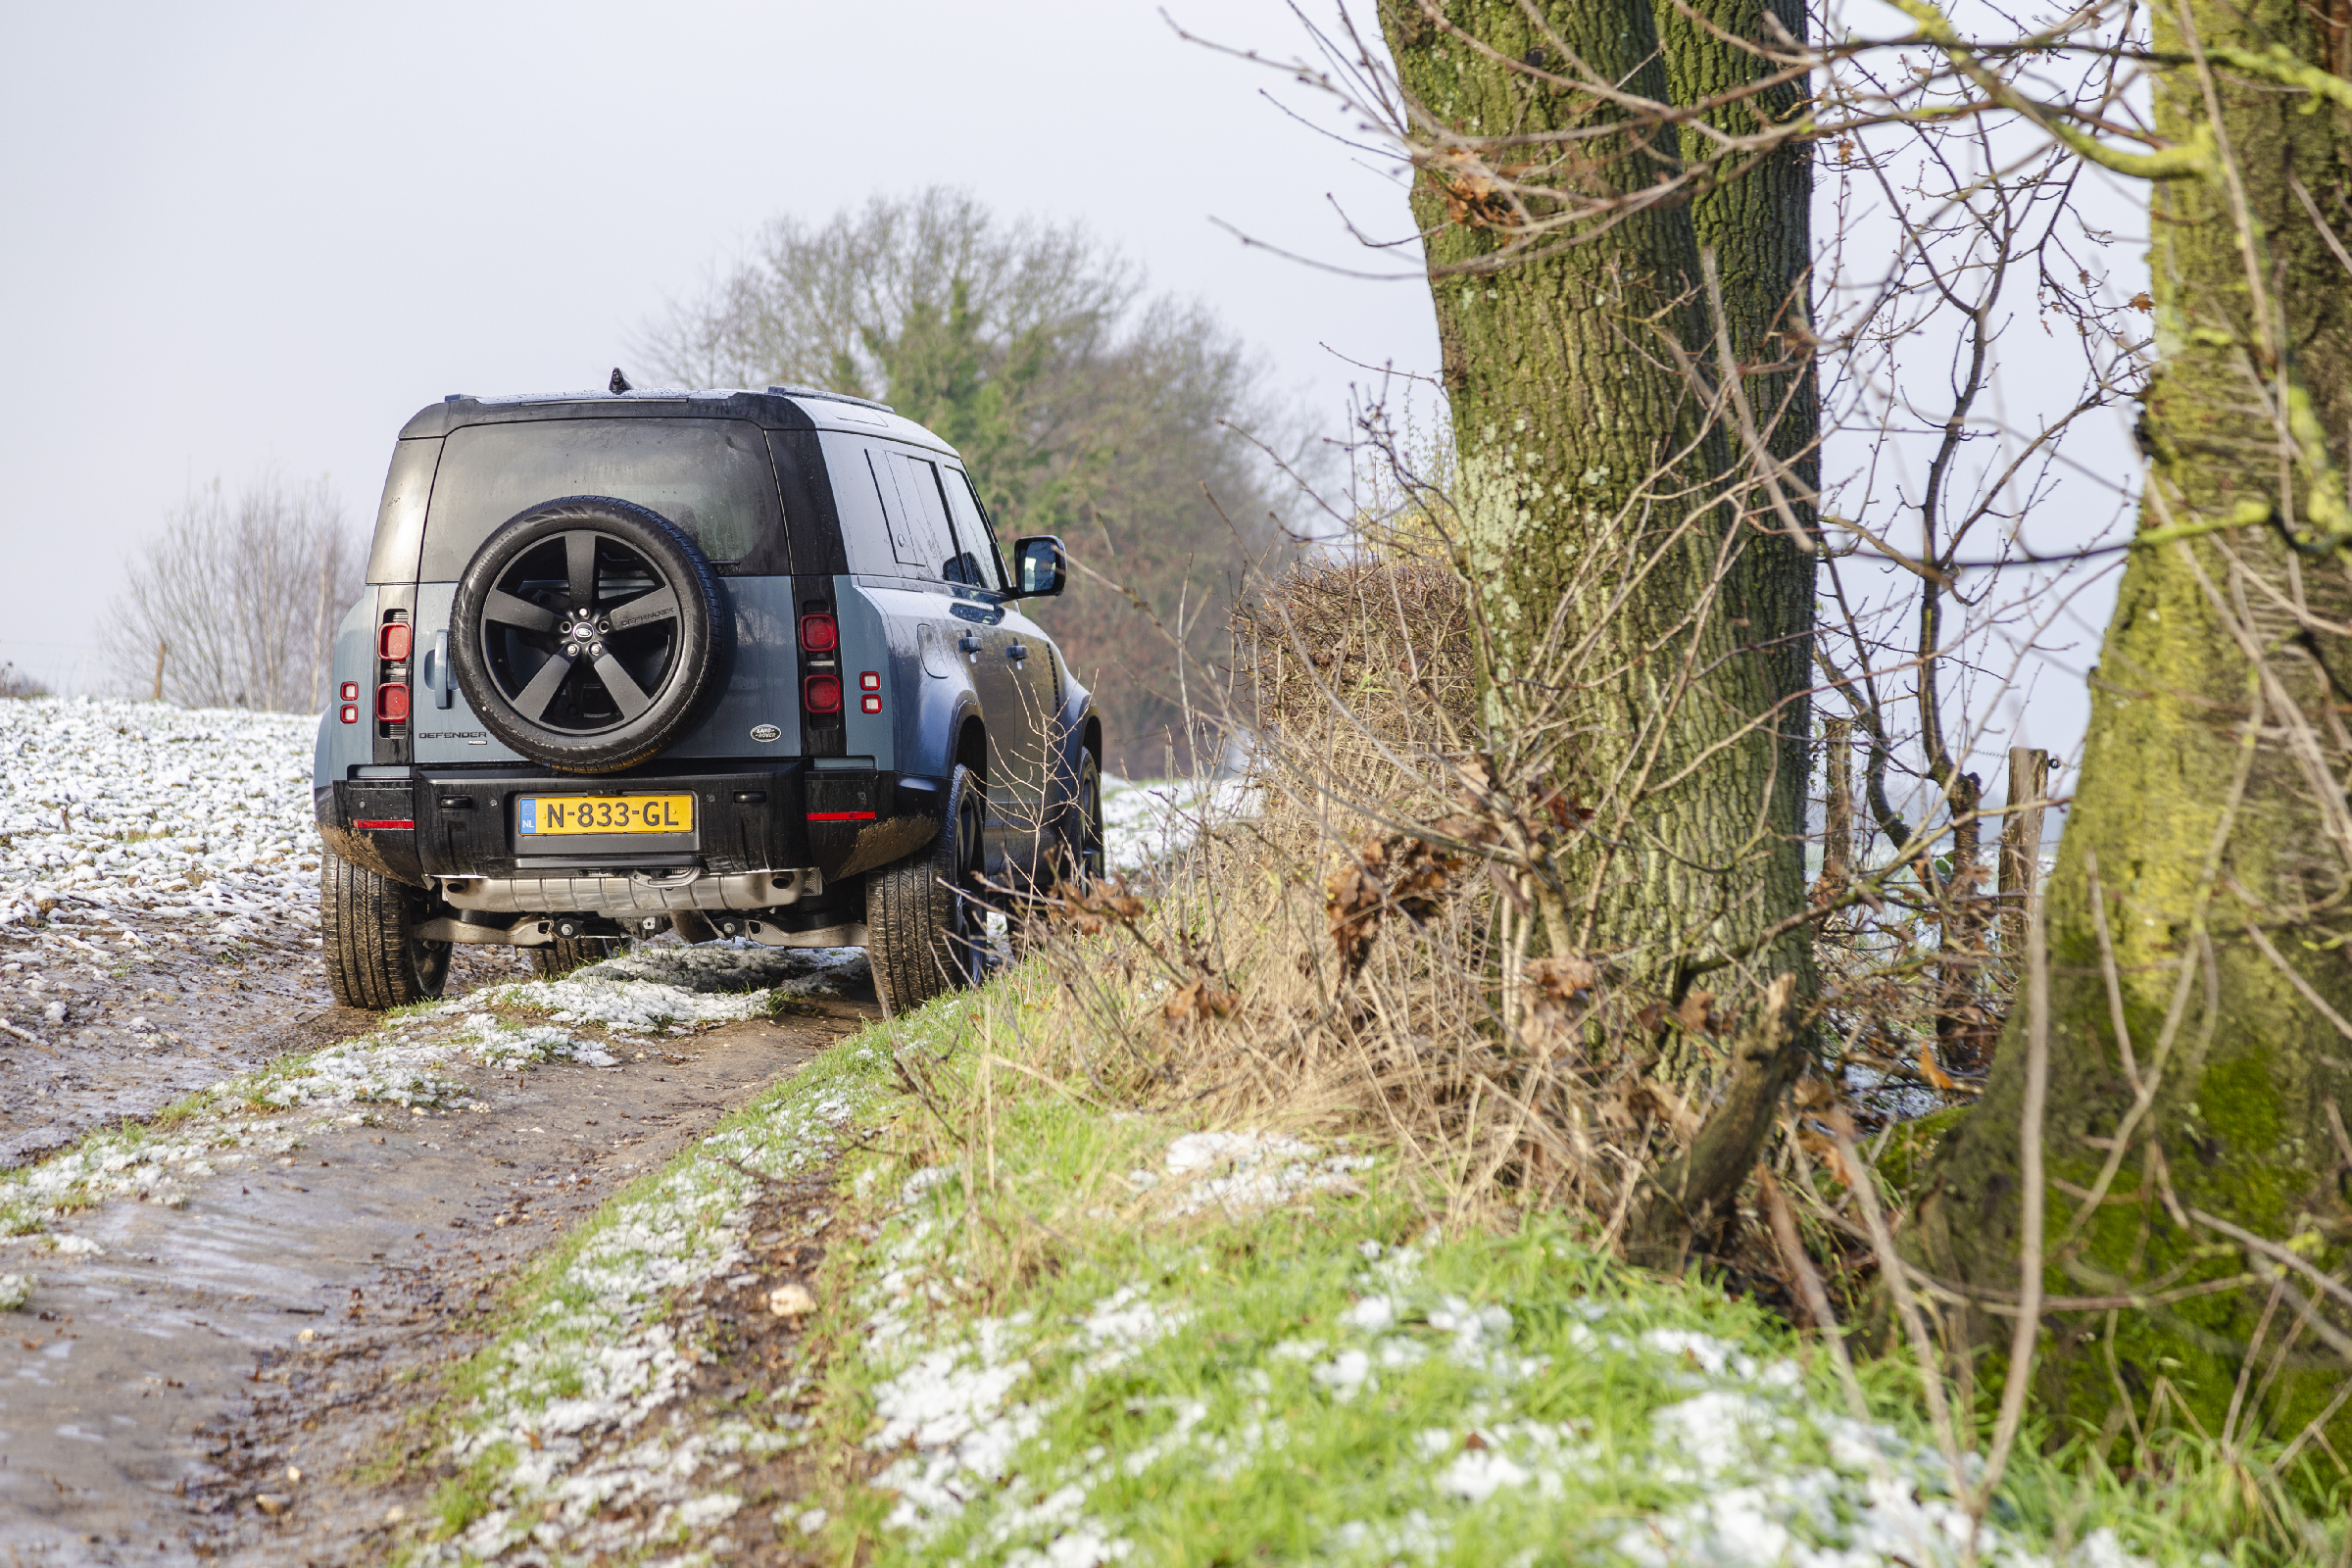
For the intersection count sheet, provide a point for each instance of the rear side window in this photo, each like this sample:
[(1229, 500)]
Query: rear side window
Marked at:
[(895, 517), (712, 477), (919, 521)]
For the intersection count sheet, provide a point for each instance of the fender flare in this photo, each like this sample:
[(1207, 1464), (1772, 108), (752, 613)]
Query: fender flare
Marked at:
[(1080, 729)]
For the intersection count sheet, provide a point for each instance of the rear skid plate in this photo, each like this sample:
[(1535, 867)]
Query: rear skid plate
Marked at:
[(629, 893), (528, 933)]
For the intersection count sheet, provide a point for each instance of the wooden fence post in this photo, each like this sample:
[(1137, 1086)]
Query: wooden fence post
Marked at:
[(2021, 842), (1837, 813)]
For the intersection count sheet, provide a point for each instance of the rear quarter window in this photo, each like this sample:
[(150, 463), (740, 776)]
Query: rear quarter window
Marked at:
[(983, 560), (712, 477)]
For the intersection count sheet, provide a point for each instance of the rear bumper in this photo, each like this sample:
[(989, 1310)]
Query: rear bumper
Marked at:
[(423, 825)]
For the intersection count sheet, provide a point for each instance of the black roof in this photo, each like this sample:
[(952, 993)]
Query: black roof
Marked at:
[(772, 409)]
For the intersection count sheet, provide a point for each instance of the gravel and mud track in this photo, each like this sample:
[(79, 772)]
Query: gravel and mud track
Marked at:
[(199, 1383), (256, 1225)]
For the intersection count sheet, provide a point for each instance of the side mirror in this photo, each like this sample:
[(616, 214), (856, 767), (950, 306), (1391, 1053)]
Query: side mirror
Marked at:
[(1037, 570)]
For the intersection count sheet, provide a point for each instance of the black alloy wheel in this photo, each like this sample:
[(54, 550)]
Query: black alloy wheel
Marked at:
[(589, 633), (968, 934)]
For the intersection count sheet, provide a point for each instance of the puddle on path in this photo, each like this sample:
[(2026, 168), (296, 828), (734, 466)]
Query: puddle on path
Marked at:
[(127, 1393), (145, 1025)]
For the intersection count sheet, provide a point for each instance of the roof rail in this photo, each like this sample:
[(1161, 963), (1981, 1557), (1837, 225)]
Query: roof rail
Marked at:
[(831, 397)]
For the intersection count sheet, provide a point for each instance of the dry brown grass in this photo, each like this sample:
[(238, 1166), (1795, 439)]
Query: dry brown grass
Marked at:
[(1345, 955)]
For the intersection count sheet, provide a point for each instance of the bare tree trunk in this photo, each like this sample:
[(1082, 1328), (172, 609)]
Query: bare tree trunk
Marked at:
[(1963, 1027), (1612, 577), (160, 646), (1584, 522)]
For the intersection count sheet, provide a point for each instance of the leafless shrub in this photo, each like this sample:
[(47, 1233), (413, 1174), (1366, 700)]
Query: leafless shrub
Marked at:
[(234, 603)]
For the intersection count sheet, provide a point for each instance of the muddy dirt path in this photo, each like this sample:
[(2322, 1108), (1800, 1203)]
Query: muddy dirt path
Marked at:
[(324, 1289), (100, 1026)]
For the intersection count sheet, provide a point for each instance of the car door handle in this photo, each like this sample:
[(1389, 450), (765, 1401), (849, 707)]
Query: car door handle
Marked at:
[(436, 669)]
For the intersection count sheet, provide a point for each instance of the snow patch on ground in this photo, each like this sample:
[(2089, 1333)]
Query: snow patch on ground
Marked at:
[(737, 965), (662, 990), (974, 1414), (1239, 1172)]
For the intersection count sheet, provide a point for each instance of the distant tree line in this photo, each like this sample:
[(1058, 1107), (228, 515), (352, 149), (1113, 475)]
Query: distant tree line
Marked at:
[(235, 604), (1136, 427), (1129, 424)]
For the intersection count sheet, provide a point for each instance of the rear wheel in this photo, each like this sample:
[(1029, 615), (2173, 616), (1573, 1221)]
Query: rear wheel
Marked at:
[(367, 929), (924, 919), (560, 956), (1082, 825)]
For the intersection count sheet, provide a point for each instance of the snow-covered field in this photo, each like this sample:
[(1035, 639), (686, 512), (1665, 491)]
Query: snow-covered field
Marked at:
[(200, 819), (1146, 820), (197, 819)]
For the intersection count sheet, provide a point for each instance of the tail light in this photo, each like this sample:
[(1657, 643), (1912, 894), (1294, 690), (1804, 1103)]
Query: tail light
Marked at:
[(821, 693), (819, 634), (351, 713), (395, 641)]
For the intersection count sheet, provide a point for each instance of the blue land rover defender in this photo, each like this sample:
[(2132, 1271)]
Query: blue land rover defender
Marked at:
[(741, 664)]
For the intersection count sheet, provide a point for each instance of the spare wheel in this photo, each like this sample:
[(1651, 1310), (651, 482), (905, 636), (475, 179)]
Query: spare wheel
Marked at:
[(589, 633)]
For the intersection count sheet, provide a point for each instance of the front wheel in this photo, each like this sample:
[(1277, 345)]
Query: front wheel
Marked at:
[(367, 929), (924, 921)]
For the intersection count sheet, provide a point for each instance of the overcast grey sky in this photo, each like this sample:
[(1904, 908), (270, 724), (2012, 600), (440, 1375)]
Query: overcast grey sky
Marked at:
[(251, 234)]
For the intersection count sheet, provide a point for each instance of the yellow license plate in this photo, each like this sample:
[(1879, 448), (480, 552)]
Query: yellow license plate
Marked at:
[(545, 814)]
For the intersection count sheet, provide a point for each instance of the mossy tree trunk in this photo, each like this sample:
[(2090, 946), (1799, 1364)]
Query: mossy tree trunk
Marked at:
[(1591, 486), (2210, 819), (1760, 227), (1588, 471)]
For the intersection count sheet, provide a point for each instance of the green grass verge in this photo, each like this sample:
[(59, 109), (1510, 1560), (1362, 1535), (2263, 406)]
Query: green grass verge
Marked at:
[(1042, 1344)]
